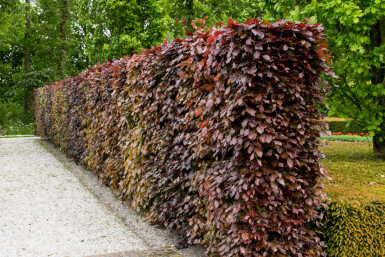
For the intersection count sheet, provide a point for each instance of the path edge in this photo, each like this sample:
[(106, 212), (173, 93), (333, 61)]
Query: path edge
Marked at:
[(153, 237)]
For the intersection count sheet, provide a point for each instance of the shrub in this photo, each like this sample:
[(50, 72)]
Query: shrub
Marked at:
[(214, 135), (344, 126), (13, 119), (355, 229)]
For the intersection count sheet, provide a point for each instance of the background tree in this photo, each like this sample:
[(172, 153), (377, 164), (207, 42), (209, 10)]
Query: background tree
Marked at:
[(114, 28), (63, 27), (57, 38), (357, 35), (27, 54), (27, 47), (42, 37), (357, 41), (12, 24)]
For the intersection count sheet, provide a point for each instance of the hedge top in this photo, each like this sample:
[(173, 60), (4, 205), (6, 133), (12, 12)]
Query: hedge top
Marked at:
[(211, 37)]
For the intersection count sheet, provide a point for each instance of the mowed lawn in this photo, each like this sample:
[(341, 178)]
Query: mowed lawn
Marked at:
[(354, 174)]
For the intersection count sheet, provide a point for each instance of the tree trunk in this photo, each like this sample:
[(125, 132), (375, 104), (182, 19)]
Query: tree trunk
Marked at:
[(378, 39), (190, 14), (63, 37), (27, 49), (27, 54), (85, 36), (378, 148)]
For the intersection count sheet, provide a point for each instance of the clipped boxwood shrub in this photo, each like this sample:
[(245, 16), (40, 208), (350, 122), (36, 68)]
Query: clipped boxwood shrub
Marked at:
[(214, 135), (354, 229)]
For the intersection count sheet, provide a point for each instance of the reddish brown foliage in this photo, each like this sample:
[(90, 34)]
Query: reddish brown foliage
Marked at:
[(214, 135)]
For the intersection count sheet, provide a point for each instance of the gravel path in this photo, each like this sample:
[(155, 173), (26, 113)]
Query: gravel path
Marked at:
[(51, 207)]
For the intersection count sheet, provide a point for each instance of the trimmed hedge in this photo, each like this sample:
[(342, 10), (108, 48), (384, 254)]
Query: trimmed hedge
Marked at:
[(345, 127), (214, 135), (355, 229)]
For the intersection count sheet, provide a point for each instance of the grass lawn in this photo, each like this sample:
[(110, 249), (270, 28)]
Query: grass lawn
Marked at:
[(355, 175), (15, 136)]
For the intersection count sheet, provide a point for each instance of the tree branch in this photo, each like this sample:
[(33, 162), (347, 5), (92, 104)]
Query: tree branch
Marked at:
[(351, 97)]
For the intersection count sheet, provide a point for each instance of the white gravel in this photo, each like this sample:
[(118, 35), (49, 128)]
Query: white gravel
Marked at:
[(46, 211)]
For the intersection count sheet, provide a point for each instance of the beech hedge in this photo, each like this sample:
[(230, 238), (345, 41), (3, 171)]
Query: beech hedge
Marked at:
[(214, 135)]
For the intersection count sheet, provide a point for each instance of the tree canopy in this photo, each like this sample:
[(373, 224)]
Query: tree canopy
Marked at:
[(356, 31)]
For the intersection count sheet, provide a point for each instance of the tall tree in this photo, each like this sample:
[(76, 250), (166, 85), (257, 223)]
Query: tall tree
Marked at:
[(12, 33), (117, 27), (377, 35), (27, 53), (57, 38), (27, 48), (356, 30), (356, 33), (63, 36)]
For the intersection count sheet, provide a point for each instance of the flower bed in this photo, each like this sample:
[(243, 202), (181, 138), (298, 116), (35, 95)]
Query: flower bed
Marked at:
[(348, 137), (350, 134)]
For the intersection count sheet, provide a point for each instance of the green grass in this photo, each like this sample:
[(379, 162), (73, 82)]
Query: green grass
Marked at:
[(16, 136), (355, 175), (17, 129), (345, 138)]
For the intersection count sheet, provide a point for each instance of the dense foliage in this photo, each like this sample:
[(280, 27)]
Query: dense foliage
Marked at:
[(355, 229), (214, 135), (114, 28)]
